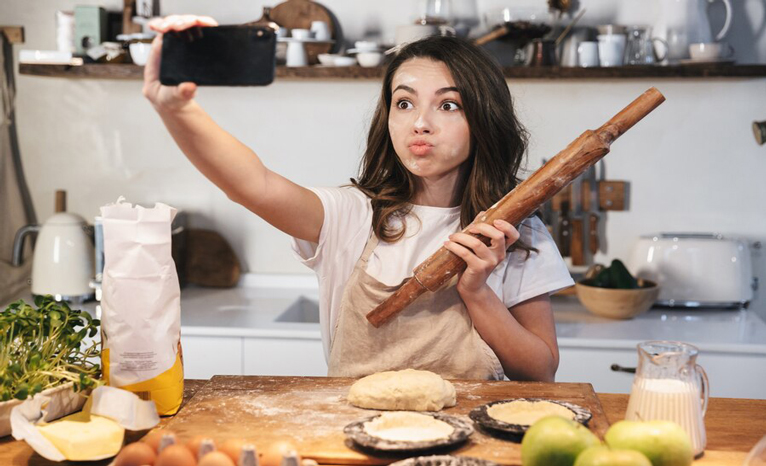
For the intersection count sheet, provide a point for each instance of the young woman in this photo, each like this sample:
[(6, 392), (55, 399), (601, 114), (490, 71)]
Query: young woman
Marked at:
[(444, 145)]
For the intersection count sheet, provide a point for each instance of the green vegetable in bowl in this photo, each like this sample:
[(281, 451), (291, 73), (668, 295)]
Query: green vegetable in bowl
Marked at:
[(42, 348), (614, 276)]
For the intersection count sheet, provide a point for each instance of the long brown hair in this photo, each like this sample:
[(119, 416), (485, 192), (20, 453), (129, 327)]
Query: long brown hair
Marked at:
[(498, 140)]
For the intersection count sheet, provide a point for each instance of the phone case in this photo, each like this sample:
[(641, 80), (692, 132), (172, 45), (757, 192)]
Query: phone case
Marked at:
[(219, 56)]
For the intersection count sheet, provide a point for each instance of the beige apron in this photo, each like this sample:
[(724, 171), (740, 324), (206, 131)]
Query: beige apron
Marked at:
[(434, 333)]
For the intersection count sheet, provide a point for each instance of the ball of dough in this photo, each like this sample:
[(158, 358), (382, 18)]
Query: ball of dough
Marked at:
[(407, 390)]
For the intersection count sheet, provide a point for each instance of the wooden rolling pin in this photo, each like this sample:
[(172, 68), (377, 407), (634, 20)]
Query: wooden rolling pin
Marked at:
[(517, 205)]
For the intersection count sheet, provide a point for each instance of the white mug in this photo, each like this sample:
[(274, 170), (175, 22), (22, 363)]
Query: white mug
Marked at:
[(587, 54), (321, 30), (611, 49), (296, 54)]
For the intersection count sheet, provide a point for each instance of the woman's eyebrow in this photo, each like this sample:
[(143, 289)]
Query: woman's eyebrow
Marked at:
[(444, 90), (404, 87)]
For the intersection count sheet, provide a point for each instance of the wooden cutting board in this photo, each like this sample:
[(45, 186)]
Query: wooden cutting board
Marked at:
[(312, 411), (298, 14)]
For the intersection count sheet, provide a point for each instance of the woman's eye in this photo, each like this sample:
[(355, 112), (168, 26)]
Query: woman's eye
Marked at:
[(450, 106), (403, 105)]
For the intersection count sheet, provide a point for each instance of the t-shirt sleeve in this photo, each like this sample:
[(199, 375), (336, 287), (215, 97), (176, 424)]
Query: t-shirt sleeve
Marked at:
[(345, 211), (543, 272)]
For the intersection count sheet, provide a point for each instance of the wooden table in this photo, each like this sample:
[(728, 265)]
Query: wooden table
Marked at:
[(733, 427)]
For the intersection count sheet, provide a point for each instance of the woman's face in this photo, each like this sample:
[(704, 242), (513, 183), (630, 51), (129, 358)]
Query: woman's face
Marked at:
[(426, 121)]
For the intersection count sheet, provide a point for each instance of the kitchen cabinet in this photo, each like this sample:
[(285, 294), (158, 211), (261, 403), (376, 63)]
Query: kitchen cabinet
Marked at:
[(206, 356), (284, 356), (731, 375)]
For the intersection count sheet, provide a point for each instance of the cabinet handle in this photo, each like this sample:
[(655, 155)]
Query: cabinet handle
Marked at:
[(619, 368)]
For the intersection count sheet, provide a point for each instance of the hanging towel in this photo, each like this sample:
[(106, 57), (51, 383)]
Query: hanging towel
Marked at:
[(16, 209)]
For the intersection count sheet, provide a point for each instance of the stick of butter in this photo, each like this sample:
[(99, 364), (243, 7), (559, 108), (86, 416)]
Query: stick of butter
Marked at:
[(82, 436)]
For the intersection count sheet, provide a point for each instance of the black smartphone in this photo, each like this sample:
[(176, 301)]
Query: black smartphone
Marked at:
[(219, 56)]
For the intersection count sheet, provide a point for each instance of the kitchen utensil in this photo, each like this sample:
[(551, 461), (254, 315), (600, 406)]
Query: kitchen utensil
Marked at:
[(312, 411), (695, 269), (569, 27), (447, 460), (611, 49), (590, 204), (542, 53), (565, 230), (640, 49), (523, 24), (577, 250), (615, 303), (685, 22), (587, 54), (522, 201), (669, 385), (300, 14), (63, 260)]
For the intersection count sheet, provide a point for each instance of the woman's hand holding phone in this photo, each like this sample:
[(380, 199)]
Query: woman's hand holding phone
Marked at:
[(169, 97)]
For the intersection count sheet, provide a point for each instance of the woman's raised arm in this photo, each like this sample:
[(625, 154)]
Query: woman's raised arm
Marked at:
[(224, 160)]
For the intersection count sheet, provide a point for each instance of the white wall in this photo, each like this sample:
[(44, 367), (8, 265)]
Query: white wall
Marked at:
[(693, 164)]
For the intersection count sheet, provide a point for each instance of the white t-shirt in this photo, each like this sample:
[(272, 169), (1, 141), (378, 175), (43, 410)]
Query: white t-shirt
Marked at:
[(348, 224)]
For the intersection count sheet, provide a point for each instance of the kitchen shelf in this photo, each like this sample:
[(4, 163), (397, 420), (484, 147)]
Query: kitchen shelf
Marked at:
[(123, 71)]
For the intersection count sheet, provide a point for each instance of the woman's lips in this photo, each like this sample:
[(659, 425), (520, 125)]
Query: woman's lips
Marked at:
[(420, 148)]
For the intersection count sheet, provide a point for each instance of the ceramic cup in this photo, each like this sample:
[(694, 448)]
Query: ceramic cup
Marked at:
[(587, 54), (611, 49), (296, 54), (321, 30), (711, 51), (301, 34)]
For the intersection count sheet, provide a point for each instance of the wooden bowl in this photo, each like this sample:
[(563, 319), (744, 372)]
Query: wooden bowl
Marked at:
[(618, 304)]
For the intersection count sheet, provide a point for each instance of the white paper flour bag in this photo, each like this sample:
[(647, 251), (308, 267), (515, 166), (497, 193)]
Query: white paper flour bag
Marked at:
[(141, 304)]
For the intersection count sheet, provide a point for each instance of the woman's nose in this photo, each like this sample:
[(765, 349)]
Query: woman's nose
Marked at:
[(422, 125)]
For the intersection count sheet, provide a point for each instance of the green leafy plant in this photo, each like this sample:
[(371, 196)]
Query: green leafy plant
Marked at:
[(41, 348)]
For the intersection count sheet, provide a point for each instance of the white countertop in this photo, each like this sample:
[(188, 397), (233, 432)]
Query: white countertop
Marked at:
[(251, 311)]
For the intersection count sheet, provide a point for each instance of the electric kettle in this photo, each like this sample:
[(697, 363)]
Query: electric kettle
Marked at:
[(63, 262)]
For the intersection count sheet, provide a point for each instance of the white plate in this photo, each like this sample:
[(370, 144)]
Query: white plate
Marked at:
[(364, 51)]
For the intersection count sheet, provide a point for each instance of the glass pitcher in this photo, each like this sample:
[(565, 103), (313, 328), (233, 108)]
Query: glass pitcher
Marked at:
[(640, 48), (669, 385)]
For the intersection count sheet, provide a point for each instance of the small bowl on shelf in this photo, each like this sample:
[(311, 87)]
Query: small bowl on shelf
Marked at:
[(617, 303), (369, 59)]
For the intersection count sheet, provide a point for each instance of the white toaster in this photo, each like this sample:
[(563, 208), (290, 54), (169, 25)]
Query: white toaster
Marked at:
[(695, 269)]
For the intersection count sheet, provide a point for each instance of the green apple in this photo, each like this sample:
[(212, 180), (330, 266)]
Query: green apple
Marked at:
[(605, 456), (665, 443), (555, 441)]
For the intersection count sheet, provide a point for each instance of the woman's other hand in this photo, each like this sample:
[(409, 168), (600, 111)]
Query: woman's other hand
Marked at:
[(480, 258), (169, 97)]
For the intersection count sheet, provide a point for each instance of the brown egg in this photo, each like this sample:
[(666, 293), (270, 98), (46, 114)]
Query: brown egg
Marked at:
[(216, 458), (136, 454), (194, 444), (154, 438), (175, 455), (233, 447), (272, 455)]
